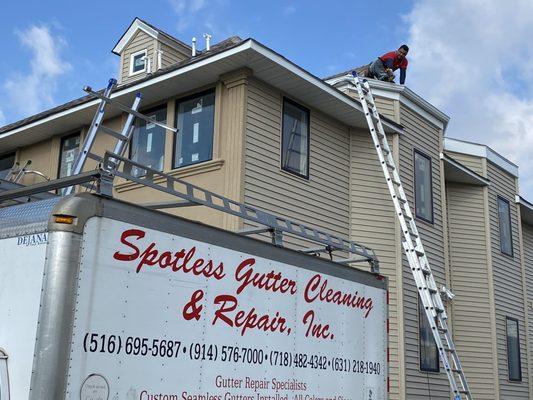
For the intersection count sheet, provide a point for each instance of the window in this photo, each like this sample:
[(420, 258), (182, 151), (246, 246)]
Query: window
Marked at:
[(148, 141), (513, 350), (6, 163), (68, 153), (295, 139), (70, 147), (429, 354), (195, 123), (423, 187), (138, 62), (4, 382), (506, 238)]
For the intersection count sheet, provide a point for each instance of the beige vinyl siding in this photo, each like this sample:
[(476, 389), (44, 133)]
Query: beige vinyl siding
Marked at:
[(424, 137), (321, 201), (508, 290), (527, 234), (470, 283), (372, 221), (140, 41), (386, 107), (170, 55), (472, 162)]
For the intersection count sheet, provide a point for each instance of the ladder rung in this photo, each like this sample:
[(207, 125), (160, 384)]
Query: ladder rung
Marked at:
[(442, 330), (385, 151), (407, 218), (396, 182), (95, 157), (113, 133), (457, 371), (439, 310), (432, 290), (419, 253)]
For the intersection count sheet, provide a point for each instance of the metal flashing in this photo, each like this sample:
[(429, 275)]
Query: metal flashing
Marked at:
[(481, 150)]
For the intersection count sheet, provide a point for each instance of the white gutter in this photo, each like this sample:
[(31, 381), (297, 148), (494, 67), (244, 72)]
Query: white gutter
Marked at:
[(401, 93), (249, 44), (480, 150)]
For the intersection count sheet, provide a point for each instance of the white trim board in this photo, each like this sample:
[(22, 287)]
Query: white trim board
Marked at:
[(132, 30), (248, 44), (480, 150), (400, 93)]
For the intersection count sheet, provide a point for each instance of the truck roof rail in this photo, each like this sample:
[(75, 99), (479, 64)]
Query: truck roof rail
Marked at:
[(189, 194)]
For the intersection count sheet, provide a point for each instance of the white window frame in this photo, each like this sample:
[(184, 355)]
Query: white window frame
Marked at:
[(4, 376), (132, 57)]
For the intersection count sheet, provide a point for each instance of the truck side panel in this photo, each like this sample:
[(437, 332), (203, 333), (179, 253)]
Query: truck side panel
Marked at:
[(162, 315), (22, 262)]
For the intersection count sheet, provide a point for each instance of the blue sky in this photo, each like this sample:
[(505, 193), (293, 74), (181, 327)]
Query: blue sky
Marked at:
[(471, 59)]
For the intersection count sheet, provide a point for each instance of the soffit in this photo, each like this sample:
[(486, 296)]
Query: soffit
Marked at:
[(266, 65)]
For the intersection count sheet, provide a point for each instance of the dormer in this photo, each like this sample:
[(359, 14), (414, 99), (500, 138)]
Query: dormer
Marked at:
[(144, 49)]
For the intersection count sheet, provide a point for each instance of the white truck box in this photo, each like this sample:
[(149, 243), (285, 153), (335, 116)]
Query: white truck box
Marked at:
[(129, 303)]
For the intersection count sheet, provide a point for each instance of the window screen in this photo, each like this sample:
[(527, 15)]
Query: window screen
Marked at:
[(506, 239), (148, 141), (295, 139), (423, 187), (513, 350), (429, 354), (195, 123)]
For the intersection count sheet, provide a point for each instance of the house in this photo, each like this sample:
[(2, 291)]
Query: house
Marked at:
[(259, 129)]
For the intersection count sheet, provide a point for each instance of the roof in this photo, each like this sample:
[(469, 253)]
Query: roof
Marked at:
[(454, 171), (480, 150), (526, 210), (156, 33), (219, 47), (394, 91), (202, 70)]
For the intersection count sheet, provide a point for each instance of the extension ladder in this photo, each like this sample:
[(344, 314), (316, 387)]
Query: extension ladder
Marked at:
[(414, 250), (122, 138)]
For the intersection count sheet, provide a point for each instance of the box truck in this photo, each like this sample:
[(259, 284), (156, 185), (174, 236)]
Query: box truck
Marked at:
[(105, 300)]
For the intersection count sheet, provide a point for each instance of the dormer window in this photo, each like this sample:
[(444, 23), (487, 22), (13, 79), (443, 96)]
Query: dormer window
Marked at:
[(138, 62)]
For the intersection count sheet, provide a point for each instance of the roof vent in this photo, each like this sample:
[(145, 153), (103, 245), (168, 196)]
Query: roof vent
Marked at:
[(207, 37), (193, 47)]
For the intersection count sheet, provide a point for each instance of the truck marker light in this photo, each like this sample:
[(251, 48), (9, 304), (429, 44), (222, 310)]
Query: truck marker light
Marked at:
[(64, 219)]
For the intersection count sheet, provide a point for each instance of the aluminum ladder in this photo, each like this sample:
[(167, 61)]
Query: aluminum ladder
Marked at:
[(122, 138), (413, 247)]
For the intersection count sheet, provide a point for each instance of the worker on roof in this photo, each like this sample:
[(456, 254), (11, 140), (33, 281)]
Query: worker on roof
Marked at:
[(383, 67)]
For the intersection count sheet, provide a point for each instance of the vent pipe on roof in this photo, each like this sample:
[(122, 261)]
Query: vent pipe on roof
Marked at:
[(194, 47), (207, 37)]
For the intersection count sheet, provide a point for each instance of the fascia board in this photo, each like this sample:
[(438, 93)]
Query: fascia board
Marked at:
[(134, 89), (136, 25), (481, 150), (402, 94)]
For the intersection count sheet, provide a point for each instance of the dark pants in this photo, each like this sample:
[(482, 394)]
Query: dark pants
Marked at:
[(377, 71)]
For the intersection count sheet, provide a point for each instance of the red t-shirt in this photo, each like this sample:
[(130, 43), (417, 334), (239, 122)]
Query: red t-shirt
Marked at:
[(396, 62)]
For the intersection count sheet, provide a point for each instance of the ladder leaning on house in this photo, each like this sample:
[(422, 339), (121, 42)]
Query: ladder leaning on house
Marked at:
[(413, 247), (122, 138)]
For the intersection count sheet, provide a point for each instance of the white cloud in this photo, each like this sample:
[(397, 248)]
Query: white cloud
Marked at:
[(472, 59), (187, 11), (32, 92)]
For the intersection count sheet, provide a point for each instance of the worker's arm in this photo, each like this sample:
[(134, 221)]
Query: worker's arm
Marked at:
[(402, 75)]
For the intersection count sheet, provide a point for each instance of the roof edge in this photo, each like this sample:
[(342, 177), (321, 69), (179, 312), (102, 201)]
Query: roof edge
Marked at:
[(401, 93), (480, 150)]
